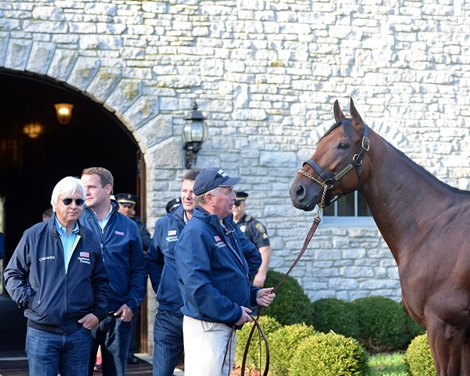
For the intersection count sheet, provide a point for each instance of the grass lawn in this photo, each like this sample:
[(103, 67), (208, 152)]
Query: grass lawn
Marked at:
[(387, 365)]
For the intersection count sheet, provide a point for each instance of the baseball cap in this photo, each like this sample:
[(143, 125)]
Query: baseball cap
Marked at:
[(210, 178)]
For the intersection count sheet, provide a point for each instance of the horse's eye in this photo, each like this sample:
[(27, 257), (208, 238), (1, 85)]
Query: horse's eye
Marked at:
[(343, 145)]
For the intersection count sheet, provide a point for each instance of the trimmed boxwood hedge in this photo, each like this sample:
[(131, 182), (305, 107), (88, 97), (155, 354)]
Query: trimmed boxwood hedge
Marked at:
[(291, 305), (329, 354), (283, 344), (383, 324), (418, 357), (253, 361), (335, 315)]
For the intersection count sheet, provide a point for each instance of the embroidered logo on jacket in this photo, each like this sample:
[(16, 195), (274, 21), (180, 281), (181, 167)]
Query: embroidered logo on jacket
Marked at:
[(120, 233), (172, 236), (41, 259), (84, 257), (219, 243)]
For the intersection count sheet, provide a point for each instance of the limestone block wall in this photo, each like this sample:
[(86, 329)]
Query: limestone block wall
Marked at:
[(265, 74)]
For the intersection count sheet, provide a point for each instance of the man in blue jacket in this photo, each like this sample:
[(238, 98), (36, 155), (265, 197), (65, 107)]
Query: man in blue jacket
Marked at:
[(168, 326), (57, 275), (214, 278), (123, 257)]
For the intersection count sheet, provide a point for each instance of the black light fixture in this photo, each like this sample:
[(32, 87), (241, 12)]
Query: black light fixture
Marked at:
[(194, 133)]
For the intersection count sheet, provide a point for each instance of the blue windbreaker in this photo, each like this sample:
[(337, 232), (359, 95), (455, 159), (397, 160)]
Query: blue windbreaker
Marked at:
[(123, 257), (161, 263), (213, 272), (36, 280)]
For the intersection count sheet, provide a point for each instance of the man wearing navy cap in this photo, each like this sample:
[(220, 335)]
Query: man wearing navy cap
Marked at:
[(256, 232), (213, 260)]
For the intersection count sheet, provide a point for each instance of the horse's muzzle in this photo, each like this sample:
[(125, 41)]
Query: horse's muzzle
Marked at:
[(302, 198)]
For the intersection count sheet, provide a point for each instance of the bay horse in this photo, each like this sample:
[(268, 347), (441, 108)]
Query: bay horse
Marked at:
[(425, 223)]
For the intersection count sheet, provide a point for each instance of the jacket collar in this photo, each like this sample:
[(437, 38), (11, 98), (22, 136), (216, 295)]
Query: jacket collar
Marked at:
[(214, 220)]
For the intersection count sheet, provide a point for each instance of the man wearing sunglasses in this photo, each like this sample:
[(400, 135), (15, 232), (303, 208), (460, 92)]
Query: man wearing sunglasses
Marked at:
[(58, 277), (123, 257)]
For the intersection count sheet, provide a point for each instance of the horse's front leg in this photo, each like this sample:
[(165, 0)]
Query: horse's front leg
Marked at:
[(446, 347), (466, 359)]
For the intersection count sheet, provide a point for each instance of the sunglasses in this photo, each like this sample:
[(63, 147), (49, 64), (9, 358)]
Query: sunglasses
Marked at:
[(78, 201)]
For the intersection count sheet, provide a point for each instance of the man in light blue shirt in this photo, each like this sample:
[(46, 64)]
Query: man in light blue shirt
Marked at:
[(57, 275)]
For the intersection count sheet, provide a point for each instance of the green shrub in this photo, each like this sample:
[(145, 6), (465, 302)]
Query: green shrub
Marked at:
[(418, 357), (335, 315), (329, 354), (414, 329), (283, 343), (253, 361), (383, 324), (291, 305)]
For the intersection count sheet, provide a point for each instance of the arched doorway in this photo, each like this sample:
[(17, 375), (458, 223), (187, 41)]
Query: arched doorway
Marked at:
[(30, 167)]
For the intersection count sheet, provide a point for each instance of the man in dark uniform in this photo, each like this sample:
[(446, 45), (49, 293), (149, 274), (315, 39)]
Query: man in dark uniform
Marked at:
[(127, 205), (173, 204), (256, 232)]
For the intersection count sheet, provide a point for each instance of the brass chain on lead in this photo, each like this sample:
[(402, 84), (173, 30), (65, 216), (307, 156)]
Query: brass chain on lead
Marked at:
[(323, 196), (307, 175)]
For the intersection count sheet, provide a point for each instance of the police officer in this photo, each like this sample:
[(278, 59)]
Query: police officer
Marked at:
[(173, 204), (256, 232), (127, 205)]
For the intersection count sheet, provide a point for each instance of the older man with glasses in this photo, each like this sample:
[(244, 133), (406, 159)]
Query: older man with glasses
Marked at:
[(57, 275), (213, 269)]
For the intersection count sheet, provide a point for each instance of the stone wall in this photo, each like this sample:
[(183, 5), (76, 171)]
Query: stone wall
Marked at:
[(265, 74)]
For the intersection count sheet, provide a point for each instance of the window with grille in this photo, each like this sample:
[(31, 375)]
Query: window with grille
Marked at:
[(351, 205)]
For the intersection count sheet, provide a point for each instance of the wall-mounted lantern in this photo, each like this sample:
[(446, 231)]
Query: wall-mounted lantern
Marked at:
[(194, 133)]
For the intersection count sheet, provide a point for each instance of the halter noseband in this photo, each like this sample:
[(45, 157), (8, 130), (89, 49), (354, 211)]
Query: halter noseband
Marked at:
[(328, 179)]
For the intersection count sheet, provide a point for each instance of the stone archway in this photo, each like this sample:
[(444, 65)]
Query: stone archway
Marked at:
[(30, 167)]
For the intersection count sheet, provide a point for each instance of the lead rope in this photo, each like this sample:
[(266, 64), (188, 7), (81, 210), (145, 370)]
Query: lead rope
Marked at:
[(313, 228)]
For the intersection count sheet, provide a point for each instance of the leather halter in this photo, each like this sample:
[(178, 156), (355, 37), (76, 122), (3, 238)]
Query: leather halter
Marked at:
[(328, 179)]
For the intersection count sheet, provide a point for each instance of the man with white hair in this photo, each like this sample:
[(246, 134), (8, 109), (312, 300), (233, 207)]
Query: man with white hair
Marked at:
[(213, 272), (57, 275)]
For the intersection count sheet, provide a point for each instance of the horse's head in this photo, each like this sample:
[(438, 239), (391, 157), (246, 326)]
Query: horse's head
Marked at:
[(336, 166)]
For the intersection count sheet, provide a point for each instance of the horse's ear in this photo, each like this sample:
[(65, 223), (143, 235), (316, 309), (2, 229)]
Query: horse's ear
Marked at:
[(338, 113), (354, 114)]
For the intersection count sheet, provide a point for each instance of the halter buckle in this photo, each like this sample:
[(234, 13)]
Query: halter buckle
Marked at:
[(365, 143), (356, 160)]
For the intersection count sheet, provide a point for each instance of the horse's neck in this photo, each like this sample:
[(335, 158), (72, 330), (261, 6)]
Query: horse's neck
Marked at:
[(397, 190)]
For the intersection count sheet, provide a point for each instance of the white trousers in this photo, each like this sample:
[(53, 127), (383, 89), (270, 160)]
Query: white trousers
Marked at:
[(205, 344)]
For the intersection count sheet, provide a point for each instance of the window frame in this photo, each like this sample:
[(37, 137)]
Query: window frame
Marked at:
[(352, 220)]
